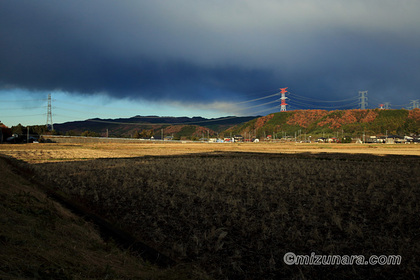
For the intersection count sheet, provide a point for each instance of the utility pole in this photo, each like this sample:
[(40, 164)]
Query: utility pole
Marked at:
[(107, 133), (363, 99), (27, 134), (161, 134), (49, 114)]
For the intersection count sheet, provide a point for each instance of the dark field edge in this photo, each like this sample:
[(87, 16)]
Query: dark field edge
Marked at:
[(351, 157), (106, 229), (302, 155)]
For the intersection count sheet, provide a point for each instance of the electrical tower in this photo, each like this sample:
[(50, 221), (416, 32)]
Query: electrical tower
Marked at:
[(387, 105), (415, 104), (49, 114), (283, 99), (363, 99), (381, 106)]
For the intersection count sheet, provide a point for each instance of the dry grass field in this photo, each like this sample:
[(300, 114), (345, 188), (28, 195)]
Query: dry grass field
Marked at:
[(66, 152), (40, 239), (236, 209)]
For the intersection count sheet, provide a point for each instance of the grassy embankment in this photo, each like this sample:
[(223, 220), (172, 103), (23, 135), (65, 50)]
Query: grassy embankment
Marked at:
[(39, 239)]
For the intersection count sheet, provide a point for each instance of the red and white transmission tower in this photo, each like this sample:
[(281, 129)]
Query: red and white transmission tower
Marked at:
[(381, 106), (283, 99)]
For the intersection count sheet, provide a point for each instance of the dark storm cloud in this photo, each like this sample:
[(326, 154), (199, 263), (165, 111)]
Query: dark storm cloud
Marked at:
[(194, 51)]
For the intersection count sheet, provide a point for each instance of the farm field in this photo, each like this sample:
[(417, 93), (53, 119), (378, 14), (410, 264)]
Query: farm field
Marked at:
[(65, 152), (236, 209), (40, 239)]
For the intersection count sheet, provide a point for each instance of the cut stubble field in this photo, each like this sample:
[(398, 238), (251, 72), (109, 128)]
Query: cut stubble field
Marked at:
[(41, 152), (236, 209)]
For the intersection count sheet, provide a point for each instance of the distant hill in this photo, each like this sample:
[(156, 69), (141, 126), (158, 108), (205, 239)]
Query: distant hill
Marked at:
[(146, 126), (344, 122), (312, 122)]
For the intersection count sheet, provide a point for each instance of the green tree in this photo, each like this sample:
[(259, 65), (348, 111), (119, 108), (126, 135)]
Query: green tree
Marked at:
[(88, 133), (71, 133), (38, 129), (136, 134), (346, 140), (146, 133), (18, 129), (410, 126)]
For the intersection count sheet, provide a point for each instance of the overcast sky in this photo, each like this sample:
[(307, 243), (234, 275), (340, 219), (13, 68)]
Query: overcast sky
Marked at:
[(180, 57)]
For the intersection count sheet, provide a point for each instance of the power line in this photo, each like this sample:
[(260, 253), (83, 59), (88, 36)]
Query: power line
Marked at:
[(95, 106), (23, 100), (403, 105), (245, 108), (185, 123), (125, 109), (321, 101), (293, 101), (259, 92), (269, 109), (25, 108), (256, 99), (63, 116), (77, 111), (386, 105), (18, 116), (389, 104), (151, 117), (240, 109), (299, 101)]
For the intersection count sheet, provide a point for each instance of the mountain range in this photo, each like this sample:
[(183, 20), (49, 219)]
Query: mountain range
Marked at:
[(147, 126), (314, 122)]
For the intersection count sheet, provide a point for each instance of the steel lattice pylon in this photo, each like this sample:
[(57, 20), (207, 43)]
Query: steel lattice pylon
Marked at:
[(49, 114)]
